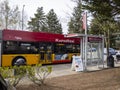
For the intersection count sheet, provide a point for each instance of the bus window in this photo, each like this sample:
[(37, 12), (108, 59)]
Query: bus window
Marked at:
[(10, 47), (28, 47), (71, 48), (14, 47), (34, 49), (77, 48), (60, 48), (25, 47)]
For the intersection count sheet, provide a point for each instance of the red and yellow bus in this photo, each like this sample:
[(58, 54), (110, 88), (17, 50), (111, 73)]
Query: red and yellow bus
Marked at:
[(36, 47)]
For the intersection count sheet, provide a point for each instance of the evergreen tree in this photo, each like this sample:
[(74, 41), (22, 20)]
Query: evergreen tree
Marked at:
[(53, 23), (75, 24), (95, 27), (106, 8), (38, 23), (104, 11)]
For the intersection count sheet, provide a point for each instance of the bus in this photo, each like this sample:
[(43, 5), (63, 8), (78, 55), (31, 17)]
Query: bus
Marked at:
[(36, 47)]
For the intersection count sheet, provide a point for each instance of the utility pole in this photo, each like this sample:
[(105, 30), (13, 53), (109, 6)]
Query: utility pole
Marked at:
[(23, 17)]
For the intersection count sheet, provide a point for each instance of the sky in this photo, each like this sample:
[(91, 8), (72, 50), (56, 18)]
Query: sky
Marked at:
[(63, 8)]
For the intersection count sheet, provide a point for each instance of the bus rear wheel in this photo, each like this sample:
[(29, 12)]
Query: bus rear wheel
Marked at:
[(19, 61)]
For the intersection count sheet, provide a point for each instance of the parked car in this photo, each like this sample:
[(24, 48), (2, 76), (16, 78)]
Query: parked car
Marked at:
[(111, 51), (92, 50)]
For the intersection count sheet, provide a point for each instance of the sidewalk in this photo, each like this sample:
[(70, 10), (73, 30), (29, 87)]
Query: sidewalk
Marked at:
[(65, 69), (61, 70)]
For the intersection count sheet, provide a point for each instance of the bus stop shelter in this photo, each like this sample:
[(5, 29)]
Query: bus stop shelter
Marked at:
[(92, 50)]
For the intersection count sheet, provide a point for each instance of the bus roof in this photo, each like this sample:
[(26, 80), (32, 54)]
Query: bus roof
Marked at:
[(17, 35)]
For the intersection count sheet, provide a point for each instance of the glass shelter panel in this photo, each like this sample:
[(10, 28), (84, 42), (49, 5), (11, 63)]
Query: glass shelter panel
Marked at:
[(94, 53)]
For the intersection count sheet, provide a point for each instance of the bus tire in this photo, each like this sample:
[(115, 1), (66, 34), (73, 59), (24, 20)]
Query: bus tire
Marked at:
[(19, 61)]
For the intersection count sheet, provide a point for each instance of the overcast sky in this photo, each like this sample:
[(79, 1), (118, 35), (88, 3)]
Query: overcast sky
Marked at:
[(63, 8)]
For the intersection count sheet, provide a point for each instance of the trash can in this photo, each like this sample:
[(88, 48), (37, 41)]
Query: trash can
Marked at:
[(110, 61)]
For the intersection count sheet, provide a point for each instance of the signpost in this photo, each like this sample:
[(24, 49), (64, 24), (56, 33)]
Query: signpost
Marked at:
[(78, 63)]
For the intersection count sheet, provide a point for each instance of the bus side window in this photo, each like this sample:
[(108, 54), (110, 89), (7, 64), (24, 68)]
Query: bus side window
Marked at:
[(33, 49), (10, 47), (60, 48)]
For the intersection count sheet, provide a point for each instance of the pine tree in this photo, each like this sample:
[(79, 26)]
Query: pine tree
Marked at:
[(75, 24), (38, 23), (104, 12), (53, 23), (106, 8)]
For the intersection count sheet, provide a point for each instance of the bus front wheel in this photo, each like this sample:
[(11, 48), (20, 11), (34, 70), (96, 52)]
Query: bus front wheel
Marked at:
[(19, 61)]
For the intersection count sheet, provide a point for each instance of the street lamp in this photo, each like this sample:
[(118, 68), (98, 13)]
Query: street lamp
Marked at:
[(23, 17)]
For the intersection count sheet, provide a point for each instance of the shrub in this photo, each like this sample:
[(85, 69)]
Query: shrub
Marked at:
[(13, 74), (38, 74)]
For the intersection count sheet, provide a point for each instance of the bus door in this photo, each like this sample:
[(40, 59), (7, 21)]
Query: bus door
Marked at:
[(49, 53), (42, 53), (45, 53)]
